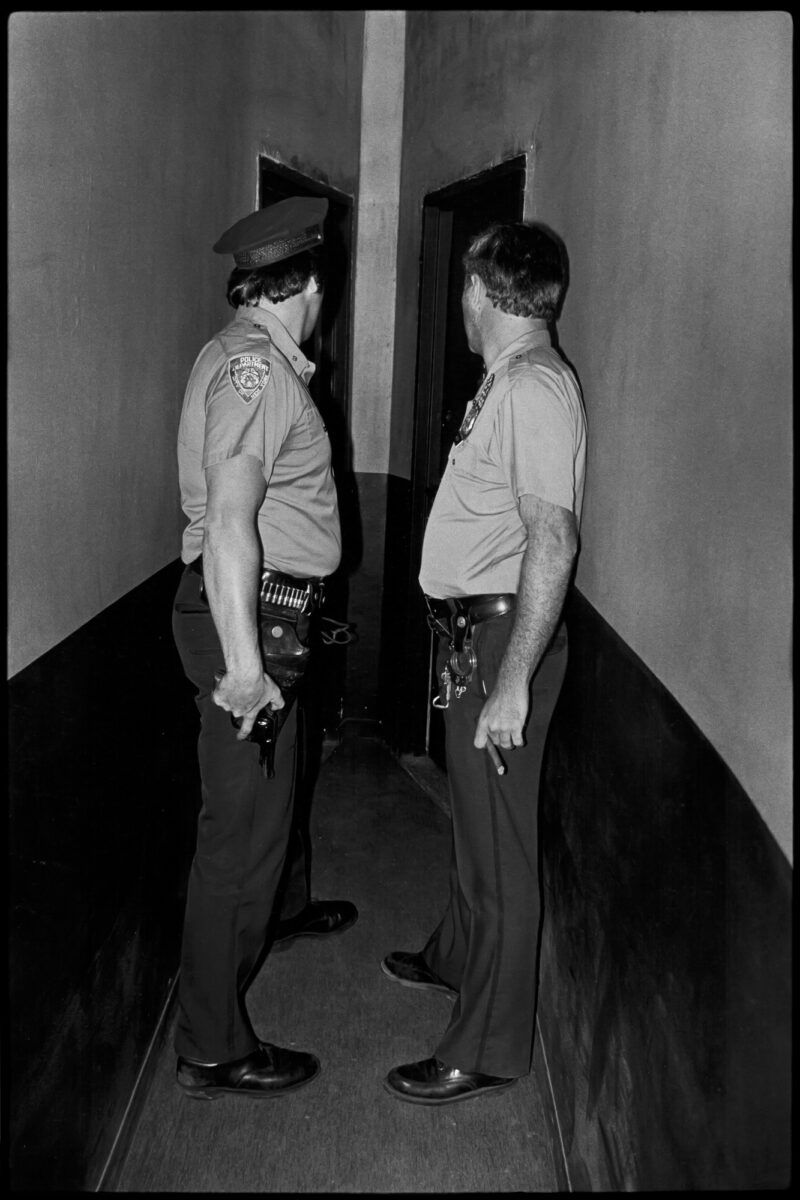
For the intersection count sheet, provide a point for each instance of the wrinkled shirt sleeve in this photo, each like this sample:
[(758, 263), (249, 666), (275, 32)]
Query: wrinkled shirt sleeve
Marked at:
[(538, 442)]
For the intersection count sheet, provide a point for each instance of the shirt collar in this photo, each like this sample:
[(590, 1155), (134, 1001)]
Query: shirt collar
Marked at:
[(266, 319), (537, 335)]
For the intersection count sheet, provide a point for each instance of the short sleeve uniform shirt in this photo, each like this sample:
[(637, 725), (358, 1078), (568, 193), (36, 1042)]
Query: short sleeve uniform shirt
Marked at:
[(247, 394), (529, 438)]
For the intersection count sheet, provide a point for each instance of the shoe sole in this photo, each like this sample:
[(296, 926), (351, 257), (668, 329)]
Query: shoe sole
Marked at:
[(281, 943), (218, 1093), (473, 1095), (424, 987)]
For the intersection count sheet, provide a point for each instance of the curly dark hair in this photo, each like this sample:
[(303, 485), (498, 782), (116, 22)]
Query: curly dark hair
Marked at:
[(277, 281), (523, 266)]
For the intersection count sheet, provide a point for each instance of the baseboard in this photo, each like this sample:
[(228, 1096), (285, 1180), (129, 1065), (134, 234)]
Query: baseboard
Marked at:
[(428, 776), (115, 1163), (541, 1069)]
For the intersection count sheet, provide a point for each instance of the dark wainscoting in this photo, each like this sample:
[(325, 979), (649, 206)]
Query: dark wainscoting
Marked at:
[(665, 1003), (403, 652), (104, 793), (365, 591)]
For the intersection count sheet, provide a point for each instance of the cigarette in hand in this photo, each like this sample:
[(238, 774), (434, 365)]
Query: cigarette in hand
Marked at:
[(500, 766)]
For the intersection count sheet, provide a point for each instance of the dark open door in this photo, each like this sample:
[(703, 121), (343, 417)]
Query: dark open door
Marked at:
[(448, 375), (329, 345), (329, 349)]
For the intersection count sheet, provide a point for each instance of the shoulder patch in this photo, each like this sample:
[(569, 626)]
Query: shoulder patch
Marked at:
[(249, 374)]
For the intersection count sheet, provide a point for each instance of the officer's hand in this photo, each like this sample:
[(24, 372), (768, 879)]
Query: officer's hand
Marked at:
[(502, 719), (246, 697)]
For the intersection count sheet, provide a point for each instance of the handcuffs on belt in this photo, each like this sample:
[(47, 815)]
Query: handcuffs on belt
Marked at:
[(462, 661), (461, 620)]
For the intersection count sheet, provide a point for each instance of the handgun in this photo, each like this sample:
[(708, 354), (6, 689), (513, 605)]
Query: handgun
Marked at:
[(264, 732)]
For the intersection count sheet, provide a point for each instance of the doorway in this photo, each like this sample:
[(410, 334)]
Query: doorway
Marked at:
[(448, 375), (329, 345), (329, 349)]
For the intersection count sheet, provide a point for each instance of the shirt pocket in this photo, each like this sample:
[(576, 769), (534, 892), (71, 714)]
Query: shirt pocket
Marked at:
[(472, 462), (465, 459)]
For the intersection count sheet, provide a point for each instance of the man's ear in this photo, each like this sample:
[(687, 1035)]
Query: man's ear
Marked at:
[(476, 288), (476, 291), (313, 286)]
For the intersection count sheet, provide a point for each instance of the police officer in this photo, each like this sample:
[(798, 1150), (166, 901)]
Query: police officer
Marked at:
[(263, 533), (497, 558)]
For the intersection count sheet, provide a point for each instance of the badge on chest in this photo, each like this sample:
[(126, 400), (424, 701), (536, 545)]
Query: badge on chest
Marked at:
[(248, 374)]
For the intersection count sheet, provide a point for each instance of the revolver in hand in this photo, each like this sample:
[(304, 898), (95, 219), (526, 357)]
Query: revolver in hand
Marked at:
[(264, 733)]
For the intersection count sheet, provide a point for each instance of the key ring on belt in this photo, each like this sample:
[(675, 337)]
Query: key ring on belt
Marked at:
[(457, 628), (455, 619), (463, 659)]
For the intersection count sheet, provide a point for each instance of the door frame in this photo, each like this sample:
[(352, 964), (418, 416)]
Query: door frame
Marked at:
[(307, 185), (330, 348), (410, 728)]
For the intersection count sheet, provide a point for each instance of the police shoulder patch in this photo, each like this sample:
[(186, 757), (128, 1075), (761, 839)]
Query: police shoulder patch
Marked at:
[(249, 374)]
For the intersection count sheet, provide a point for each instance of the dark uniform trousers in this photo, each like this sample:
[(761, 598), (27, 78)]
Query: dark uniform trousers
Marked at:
[(486, 945), (244, 831)]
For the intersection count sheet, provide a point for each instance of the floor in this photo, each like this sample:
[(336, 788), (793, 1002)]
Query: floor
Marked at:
[(381, 839)]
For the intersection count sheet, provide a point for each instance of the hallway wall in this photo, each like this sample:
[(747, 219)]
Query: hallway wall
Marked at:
[(133, 143), (659, 147)]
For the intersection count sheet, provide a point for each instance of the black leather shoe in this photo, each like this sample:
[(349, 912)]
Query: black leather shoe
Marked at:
[(317, 919), (268, 1071), (431, 1082), (403, 966)]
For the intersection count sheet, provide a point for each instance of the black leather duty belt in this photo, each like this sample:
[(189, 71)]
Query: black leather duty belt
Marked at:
[(300, 595), (474, 608)]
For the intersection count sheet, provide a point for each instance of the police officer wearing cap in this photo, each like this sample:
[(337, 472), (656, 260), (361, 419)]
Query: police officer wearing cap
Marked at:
[(262, 535), (497, 559)]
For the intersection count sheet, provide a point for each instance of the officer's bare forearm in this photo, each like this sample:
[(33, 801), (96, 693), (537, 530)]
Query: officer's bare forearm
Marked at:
[(544, 578), (540, 600), (232, 570)]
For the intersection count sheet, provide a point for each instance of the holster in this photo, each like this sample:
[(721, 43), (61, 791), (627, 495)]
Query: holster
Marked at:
[(284, 635), (284, 630), (285, 653)]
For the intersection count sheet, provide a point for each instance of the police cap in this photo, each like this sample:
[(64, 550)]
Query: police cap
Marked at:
[(275, 232)]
